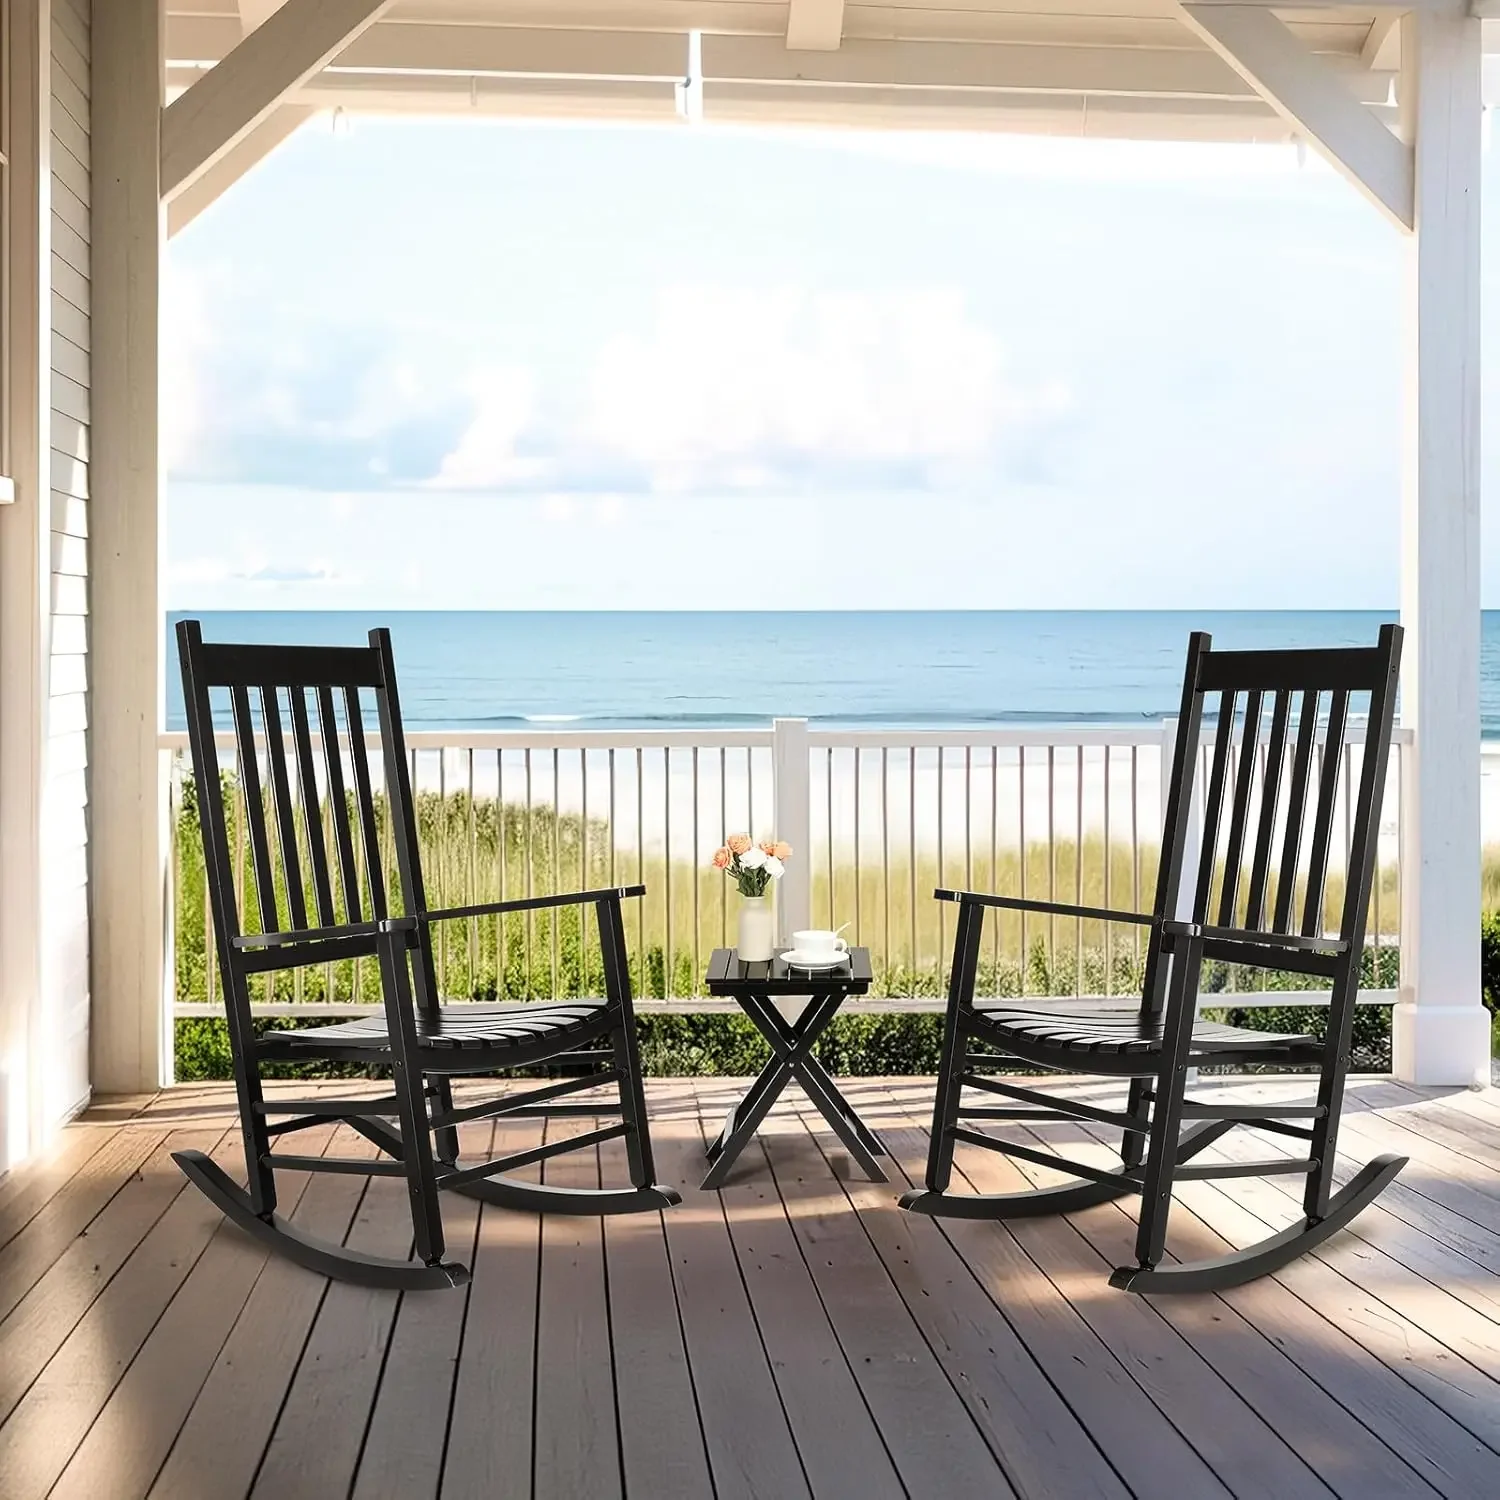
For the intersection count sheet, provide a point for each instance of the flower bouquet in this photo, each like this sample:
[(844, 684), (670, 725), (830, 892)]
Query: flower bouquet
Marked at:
[(753, 867)]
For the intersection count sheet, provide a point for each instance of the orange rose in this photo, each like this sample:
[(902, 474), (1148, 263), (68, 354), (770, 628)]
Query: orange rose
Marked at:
[(768, 847), (738, 842), (721, 859), (782, 851)]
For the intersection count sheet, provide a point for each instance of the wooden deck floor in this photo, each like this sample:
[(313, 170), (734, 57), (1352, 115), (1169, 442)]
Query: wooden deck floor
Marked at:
[(793, 1335)]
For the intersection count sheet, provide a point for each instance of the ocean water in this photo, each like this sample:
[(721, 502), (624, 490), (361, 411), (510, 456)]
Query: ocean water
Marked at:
[(505, 670)]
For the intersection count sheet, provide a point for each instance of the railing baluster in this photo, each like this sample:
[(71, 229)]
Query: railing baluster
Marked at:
[(1078, 883), (913, 962), (828, 778), (584, 881), (1109, 982), (694, 856), (1052, 862), (1021, 835), (858, 873), (530, 889), (885, 855), (556, 875)]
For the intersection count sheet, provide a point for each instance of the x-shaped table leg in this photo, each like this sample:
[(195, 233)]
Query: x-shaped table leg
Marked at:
[(791, 1057)]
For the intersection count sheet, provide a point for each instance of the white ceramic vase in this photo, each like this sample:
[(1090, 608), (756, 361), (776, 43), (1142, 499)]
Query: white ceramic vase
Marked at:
[(757, 934)]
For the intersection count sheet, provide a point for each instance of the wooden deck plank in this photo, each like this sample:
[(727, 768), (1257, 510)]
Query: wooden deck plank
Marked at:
[(55, 1301), (1450, 1458), (577, 1444), (28, 1189), (126, 1445), (403, 1454), (52, 1419), (928, 1428), (661, 1439), (54, 1226), (837, 1437), (490, 1429), (1246, 1351), (1426, 1336), (316, 1444), (750, 1446), (224, 1437), (1181, 1421)]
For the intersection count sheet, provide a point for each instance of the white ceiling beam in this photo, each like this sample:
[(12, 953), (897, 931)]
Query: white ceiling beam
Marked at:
[(1303, 90), (1382, 45), (521, 98), (211, 185), (228, 102), (1157, 72), (477, 51), (814, 25), (1121, 117)]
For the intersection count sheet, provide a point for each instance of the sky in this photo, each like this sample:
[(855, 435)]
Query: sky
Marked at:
[(438, 364)]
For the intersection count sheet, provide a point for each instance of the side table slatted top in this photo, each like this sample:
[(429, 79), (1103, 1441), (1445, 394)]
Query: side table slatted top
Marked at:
[(729, 976)]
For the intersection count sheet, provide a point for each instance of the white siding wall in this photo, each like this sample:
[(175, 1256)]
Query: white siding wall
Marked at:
[(65, 903)]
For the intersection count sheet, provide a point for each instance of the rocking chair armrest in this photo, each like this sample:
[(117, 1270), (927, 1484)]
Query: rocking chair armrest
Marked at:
[(1291, 941), (1048, 908), (406, 924), (303, 935), (529, 903)]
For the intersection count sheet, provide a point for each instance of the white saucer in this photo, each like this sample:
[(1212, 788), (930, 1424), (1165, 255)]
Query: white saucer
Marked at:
[(795, 960)]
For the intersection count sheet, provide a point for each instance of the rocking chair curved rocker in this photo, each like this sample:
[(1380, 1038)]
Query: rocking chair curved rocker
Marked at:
[(425, 1045), (1156, 1043)]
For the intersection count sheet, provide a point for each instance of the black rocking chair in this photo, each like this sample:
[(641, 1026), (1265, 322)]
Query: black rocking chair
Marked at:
[(423, 1043), (1255, 923)]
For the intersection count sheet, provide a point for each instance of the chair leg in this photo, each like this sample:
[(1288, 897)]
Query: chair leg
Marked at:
[(955, 1042), (1325, 1136), (627, 1052), (1166, 1114), (411, 1099)]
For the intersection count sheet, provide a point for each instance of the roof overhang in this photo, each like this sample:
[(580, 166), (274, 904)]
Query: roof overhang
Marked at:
[(1121, 68)]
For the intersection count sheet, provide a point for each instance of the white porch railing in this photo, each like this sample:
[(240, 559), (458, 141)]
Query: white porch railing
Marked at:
[(877, 819)]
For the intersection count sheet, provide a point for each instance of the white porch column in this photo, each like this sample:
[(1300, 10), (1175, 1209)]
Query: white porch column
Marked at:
[(24, 603), (130, 1021), (1440, 1027)]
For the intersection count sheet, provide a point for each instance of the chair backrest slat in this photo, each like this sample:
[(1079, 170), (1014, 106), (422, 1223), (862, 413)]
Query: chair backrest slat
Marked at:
[(1270, 795), (1218, 774), (338, 801), (1296, 811), (281, 799), (369, 831), (255, 806), (1239, 814), (312, 811), (1322, 838)]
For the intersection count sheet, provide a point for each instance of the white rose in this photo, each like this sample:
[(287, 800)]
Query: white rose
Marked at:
[(753, 858), (774, 867)]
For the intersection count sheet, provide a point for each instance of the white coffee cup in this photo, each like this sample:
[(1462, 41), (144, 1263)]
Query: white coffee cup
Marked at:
[(817, 942)]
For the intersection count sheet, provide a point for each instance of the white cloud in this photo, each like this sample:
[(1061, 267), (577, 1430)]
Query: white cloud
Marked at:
[(734, 388), (486, 457)]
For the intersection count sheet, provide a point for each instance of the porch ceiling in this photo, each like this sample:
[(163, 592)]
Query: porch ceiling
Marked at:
[(1128, 68)]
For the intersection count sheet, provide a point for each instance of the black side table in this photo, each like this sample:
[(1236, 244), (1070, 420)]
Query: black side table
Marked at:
[(753, 987)]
